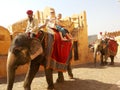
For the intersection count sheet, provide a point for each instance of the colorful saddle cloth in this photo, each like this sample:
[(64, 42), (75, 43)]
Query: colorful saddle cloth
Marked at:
[(60, 53), (113, 46)]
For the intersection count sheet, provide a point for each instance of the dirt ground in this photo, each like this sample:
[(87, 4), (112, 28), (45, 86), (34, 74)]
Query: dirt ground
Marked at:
[(86, 77)]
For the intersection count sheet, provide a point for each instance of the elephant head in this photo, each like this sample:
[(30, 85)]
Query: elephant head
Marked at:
[(100, 48), (22, 50)]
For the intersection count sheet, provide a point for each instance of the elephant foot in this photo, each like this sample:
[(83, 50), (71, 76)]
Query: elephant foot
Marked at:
[(102, 64), (60, 80), (26, 89), (70, 76), (105, 63), (112, 63), (51, 88)]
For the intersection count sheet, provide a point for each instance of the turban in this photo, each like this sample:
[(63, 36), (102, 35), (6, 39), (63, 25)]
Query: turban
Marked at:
[(100, 32), (29, 12)]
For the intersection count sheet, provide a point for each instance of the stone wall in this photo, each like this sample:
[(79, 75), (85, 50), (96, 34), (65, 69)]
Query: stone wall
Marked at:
[(20, 70), (18, 27), (5, 40)]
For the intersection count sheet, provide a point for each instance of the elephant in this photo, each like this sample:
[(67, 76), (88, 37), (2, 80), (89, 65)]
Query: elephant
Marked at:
[(107, 48), (23, 50)]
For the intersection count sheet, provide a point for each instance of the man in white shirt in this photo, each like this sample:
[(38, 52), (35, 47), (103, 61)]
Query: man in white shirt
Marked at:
[(32, 24), (100, 36)]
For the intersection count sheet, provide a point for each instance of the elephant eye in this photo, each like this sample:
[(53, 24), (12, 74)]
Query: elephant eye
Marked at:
[(16, 50)]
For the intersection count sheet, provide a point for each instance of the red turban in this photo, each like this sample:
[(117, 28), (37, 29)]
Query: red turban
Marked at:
[(29, 12), (100, 32)]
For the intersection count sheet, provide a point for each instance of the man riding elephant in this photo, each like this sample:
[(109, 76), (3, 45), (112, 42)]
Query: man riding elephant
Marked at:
[(38, 52), (51, 24), (32, 24), (107, 48)]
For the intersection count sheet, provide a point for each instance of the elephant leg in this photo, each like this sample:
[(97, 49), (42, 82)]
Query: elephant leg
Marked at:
[(60, 77), (105, 62), (101, 57), (95, 55), (49, 78), (112, 60), (69, 70), (33, 69)]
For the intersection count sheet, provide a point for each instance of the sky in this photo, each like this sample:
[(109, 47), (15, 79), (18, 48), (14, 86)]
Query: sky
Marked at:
[(102, 15)]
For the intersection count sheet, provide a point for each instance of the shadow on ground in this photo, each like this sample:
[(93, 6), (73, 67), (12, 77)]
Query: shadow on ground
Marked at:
[(75, 84), (97, 65), (78, 84), (19, 78)]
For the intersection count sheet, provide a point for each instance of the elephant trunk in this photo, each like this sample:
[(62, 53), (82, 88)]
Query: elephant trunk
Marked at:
[(10, 71), (10, 78)]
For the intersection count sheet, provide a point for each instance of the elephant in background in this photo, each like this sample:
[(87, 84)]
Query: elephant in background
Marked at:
[(107, 48), (22, 51)]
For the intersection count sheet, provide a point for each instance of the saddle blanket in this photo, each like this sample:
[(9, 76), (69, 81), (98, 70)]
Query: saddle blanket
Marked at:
[(60, 53), (113, 46)]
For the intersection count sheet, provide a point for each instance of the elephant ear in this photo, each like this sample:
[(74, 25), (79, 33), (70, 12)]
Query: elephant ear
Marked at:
[(15, 49), (20, 42), (35, 48)]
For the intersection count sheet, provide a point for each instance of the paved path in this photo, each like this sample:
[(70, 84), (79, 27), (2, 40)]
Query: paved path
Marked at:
[(86, 77)]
